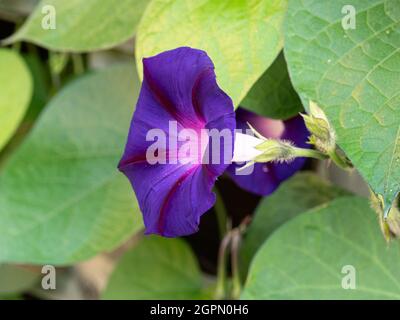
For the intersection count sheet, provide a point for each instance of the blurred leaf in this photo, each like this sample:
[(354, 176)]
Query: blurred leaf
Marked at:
[(16, 10), (11, 297), (243, 37), (15, 93), (304, 259), (83, 25), (62, 199), (354, 76), (22, 7), (41, 93), (15, 279), (273, 95), (295, 196), (157, 268)]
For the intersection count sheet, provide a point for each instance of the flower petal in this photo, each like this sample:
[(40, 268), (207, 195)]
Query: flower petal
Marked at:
[(178, 85), (266, 177), (172, 198), (172, 76)]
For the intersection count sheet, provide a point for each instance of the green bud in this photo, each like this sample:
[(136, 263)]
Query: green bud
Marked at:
[(323, 135)]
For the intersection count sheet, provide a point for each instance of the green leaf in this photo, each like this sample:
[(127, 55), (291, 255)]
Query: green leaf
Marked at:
[(354, 76), (296, 195), (40, 96), (307, 258), (62, 199), (242, 37), (157, 268), (273, 95), (15, 93), (82, 25)]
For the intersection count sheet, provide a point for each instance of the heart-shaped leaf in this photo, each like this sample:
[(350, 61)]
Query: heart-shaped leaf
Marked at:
[(81, 25), (273, 95), (336, 251), (297, 195), (15, 93), (242, 37), (354, 76), (61, 197)]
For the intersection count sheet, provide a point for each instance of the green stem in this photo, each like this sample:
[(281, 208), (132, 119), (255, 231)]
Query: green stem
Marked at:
[(16, 46), (55, 81), (221, 213), (310, 153), (338, 160), (220, 291), (78, 64), (235, 245)]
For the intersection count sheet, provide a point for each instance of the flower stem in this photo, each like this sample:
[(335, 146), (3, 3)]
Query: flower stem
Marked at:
[(221, 213), (16, 46), (310, 153), (338, 160), (235, 244), (220, 291), (78, 64)]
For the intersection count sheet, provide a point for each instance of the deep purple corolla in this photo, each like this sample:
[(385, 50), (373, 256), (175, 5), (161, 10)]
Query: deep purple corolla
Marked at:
[(266, 177), (178, 85)]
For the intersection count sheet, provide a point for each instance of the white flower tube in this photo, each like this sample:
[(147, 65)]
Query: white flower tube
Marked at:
[(245, 147)]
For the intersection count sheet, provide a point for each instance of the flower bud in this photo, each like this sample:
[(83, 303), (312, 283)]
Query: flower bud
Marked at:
[(323, 135)]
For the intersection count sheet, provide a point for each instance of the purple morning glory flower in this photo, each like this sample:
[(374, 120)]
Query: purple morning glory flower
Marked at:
[(179, 93), (266, 177)]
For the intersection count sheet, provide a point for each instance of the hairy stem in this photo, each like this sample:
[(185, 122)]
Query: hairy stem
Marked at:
[(220, 291), (310, 153), (235, 245)]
